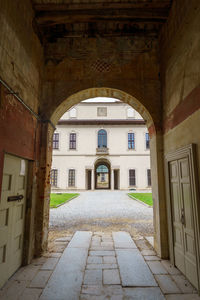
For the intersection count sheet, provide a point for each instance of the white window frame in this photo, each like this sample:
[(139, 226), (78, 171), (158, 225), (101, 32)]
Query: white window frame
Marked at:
[(131, 117), (136, 179), (69, 186), (53, 186)]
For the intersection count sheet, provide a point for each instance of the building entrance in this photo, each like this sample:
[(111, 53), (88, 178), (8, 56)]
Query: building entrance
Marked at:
[(102, 176)]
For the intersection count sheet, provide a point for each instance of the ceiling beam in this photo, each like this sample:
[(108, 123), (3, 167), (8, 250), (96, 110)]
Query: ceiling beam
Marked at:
[(51, 18), (163, 4)]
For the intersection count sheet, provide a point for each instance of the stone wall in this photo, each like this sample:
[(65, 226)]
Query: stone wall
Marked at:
[(21, 67), (129, 64), (180, 61)]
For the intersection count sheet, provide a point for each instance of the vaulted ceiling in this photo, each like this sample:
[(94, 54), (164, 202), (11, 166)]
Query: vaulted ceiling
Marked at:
[(90, 18)]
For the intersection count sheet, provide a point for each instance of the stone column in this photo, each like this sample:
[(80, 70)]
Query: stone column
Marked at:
[(158, 192), (112, 179), (92, 180), (44, 189)]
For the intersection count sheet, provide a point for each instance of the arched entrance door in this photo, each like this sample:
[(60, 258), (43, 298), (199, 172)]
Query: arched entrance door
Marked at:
[(102, 175)]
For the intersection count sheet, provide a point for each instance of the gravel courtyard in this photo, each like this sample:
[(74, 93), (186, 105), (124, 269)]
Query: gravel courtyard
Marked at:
[(103, 211)]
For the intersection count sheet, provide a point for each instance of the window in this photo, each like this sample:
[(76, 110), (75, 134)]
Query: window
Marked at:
[(148, 177), (56, 141), (102, 111), (102, 139), (130, 113), (103, 177), (72, 141), (131, 140), (54, 177), (71, 179), (147, 141), (72, 113), (132, 179)]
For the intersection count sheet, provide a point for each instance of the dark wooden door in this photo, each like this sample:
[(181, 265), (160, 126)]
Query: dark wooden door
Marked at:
[(116, 179), (89, 179)]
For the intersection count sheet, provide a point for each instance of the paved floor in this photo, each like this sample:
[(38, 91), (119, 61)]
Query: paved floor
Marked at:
[(90, 266), (103, 210)]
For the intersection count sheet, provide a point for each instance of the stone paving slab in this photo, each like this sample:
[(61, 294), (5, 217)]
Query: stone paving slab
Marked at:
[(167, 285), (151, 258), (123, 239), (133, 269), (101, 266), (109, 260), (68, 275), (93, 277), (170, 268), (111, 277), (95, 260), (27, 273), (100, 248), (182, 297), (91, 297), (156, 267), (31, 294), (102, 253), (148, 252), (40, 280), (81, 239), (102, 290), (14, 291), (183, 284), (50, 263), (153, 293)]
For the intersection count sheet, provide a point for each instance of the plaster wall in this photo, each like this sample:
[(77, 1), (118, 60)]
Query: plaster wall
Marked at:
[(87, 139), (115, 110)]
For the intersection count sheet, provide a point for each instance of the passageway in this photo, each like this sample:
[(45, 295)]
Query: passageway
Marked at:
[(99, 265)]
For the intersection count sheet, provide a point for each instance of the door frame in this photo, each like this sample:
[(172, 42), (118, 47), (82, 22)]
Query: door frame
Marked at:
[(89, 181), (102, 162), (188, 151), (116, 174)]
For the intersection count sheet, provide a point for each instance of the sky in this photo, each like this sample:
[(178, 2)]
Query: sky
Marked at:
[(101, 99)]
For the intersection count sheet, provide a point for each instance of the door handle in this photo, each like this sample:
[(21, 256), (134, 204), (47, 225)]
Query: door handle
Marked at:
[(182, 216), (15, 198)]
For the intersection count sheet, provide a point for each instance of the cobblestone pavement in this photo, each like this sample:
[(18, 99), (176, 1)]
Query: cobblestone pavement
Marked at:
[(103, 210), (94, 268)]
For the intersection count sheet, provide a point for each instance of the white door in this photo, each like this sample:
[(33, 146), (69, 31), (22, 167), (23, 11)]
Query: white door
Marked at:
[(183, 219), (12, 215)]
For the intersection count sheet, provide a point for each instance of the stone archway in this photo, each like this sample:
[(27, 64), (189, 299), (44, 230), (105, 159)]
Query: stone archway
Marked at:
[(156, 147), (102, 174), (101, 92)]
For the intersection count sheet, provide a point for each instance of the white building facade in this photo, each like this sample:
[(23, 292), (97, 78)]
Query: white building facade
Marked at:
[(101, 145)]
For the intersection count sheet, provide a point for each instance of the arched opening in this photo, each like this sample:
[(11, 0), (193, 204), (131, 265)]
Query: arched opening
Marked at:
[(160, 221), (102, 92), (102, 175)]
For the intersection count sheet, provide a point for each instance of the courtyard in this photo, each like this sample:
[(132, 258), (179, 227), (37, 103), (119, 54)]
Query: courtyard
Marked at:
[(103, 211)]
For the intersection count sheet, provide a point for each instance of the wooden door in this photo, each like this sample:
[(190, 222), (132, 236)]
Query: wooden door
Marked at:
[(116, 179), (12, 215), (183, 219)]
